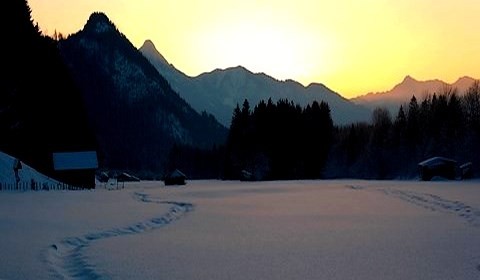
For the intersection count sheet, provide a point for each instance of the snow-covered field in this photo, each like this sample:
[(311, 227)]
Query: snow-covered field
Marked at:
[(342, 229)]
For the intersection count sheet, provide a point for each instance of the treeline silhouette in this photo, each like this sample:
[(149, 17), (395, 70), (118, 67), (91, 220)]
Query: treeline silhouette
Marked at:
[(281, 140), (443, 124), (272, 141), (278, 141)]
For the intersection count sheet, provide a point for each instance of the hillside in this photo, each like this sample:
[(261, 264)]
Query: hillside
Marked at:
[(26, 174), (136, 115)]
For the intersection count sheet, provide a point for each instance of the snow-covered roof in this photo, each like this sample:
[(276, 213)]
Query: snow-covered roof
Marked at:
[(177, 173), (434, 161), (75, 160), (127, 177)]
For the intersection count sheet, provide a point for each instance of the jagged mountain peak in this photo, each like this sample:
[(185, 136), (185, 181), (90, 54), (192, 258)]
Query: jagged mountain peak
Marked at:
[(409, 79), (239, 68), (99, 23), (466, 78), (149, 47), (464, 82), (234, 69), (320, 87), (317, 85)]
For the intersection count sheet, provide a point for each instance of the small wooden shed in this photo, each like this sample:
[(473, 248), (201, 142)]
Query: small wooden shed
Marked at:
[(437, 166), (246, 176), (126, 177), (175, 178), (466, 170), (76, 168)]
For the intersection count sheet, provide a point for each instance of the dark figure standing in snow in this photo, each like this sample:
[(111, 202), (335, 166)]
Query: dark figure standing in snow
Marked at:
[(16, 166)]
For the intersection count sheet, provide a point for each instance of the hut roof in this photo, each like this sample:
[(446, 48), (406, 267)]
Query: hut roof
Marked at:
[(75, 160), (127, 177), (177, 174), (436, 161)]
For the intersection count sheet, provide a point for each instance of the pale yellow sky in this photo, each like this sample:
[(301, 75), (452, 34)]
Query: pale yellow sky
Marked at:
[(353, 47)]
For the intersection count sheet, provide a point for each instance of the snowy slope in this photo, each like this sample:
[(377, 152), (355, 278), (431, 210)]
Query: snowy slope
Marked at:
[(26, 174)]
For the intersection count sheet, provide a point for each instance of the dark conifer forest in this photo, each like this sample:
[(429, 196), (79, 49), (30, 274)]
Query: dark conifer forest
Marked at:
[(279, 141), (443, 124), (284, 141), (41, 109)]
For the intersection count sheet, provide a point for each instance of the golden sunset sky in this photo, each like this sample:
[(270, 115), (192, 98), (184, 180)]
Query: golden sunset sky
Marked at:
[(353, 47)]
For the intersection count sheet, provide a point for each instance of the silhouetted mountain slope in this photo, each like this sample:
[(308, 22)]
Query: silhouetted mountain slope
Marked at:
[(136, 114), (41, 109), (219, 91), (403, 92)]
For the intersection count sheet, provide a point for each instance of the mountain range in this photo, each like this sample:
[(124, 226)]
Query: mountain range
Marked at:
[(219, 91), (403, 92), (136, 115), (96, 91)]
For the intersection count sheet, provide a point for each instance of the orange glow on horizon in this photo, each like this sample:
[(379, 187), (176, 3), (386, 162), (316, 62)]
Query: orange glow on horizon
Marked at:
[(353, 47)]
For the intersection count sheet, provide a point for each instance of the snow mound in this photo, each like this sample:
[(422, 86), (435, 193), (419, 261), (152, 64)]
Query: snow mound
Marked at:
[(26, 173)]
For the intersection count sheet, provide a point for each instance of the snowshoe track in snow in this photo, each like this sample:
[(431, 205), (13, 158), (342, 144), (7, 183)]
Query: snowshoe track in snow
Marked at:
[(67, 261), (436, 203)]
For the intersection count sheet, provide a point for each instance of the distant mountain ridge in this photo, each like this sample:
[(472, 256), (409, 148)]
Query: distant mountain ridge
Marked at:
[(136, 115), (404, 91), (219, 91)]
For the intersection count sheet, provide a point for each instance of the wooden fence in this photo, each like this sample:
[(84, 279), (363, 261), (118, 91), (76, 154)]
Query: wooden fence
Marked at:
[(23, 186)]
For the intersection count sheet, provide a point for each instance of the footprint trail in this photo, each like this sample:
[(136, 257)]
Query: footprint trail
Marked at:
[(66, 260), (436, 203)]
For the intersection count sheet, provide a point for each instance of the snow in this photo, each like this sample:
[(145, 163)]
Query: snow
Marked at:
[(437, 161), (340, 229), (26, 174), (75, 160), (103, 27)]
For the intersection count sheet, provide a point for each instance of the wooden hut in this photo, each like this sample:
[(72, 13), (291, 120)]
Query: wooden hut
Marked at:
[(246, 176), (466, 170), (76, 168), (126, 177), (437, 166), (175, 178), (103, 177)]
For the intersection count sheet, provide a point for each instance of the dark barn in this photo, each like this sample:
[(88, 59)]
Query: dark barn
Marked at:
[(175, 178), (126, 177), (437, 166), (76, 168), (466, 170)]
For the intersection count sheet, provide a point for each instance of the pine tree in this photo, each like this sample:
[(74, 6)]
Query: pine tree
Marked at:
[(412, 132), (471, 103)]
